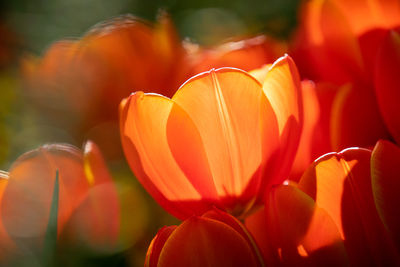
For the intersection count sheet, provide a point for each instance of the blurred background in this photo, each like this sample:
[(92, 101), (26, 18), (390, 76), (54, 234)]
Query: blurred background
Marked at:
[(28, 28)]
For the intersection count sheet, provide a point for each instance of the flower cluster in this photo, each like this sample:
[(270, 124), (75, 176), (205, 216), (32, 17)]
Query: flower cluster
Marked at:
[(235, 141)]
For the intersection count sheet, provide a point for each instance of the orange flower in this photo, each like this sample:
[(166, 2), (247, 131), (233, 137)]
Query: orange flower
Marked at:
[(222, 140), (343, 209), (79, 84), (214, 239), (84, 186), (246, 54), (340, 42)]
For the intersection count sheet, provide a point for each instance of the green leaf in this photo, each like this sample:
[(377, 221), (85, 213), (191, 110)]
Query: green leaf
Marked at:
[(50, 240)]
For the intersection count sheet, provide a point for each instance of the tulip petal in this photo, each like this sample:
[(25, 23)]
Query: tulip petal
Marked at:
[(27, 197), (385, 170), (387, 82), (355, 118), (226, 106), (311, 107), (283, 90), (156, 245), (340, 183), (202, 242), (291, 215), (325, 47), (247, 54), (366, 15), (256, 224), (293, 229), (261, 73), (224, 217), (95, 223), (144, 120), (95, 168)]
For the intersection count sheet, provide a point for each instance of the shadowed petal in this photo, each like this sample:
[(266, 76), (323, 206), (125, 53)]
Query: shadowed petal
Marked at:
[(387, 82), (200, 241), (340, 183), (385, 170), (156, 245), (355, 118)]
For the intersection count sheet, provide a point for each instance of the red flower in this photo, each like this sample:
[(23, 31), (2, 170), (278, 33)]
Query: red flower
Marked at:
[(348, 44), (213, 239), (84, 186), (78, 85), (222, 140), (344, 209)]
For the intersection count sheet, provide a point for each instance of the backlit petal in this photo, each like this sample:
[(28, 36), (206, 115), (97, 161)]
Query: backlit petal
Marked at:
[(340, 183), (226, 106), (366, 15), (283, 90), (144, 120)]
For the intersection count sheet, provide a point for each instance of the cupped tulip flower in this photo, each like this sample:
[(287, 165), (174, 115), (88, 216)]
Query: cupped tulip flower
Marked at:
[(87, 78), (222, 140), (87, 202), (292, 230), (352, 45), (340, 183), (213, 239), (343, 210)]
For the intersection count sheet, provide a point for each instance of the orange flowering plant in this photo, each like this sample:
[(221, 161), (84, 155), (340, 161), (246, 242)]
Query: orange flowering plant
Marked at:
[(228, 152), (77, 183), (342, 211), (354, 46), (78, 84), (216, 239), (222, 140)]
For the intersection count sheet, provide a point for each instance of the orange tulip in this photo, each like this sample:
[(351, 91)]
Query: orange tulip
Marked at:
[(340, 183), (340, 42), (246, 54), (293, 231), (79, 84), (213, 239), (343, 210), (222, 140), (87, 200)]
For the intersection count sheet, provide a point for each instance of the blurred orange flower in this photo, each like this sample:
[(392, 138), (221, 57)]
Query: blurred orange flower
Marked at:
[(213, 239), (222, 140), (79, 84), (245, 54), (87, 206), (354, 46), (343, 210)]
